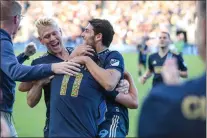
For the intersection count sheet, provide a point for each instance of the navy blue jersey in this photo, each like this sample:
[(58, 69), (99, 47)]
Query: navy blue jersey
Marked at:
[(155, 63), (47, 59), (113, 60), (175, 111), (75, 105)]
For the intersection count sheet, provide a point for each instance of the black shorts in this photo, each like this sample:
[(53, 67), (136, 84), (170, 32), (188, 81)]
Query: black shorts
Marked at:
[(113, 126)]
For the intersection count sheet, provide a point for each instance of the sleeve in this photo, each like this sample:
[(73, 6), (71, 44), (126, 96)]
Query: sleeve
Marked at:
[(115, 61), (21, 58), (181, 64), (11, 67), (158, 112), (150, 67)]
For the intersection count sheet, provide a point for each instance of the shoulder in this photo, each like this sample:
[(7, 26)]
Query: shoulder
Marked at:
[(176, 93), (40, 59), (154, 55)]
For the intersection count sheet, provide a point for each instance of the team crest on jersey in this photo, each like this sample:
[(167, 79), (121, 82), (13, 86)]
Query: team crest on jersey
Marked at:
[(154, 62), (114, 62)]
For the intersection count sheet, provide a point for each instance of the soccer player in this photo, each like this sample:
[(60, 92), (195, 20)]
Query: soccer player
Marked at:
[(108, 72), (142, 59), (156, 61), (11, 70), (178, 110), (50, 35)]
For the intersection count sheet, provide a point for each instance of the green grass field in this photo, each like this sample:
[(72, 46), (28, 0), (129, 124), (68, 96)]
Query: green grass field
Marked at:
[(29, 122)]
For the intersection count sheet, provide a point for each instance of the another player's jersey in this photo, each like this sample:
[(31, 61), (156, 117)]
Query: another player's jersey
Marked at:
[(141, 50), (75, 105), (155, 63), (113, 60), (175, 111)]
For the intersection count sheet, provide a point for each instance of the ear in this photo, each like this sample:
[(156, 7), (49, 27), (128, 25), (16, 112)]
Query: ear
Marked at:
[(98, 37), (61, 31), (40, 39), (15, 19)]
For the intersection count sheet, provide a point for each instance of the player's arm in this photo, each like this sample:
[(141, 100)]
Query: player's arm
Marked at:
[(107, 77), (130, 98), (35, 93), (183, 71), (17, 72), (29, 51), (25, 86)]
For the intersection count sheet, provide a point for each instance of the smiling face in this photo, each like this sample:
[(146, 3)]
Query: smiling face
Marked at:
[(51, 37), (89, 36)]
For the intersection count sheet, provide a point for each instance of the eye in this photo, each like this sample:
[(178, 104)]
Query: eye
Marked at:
[(47, 36)]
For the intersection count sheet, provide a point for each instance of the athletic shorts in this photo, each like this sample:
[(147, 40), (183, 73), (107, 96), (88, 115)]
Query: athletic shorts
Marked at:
[(9, 121), (113, 126)]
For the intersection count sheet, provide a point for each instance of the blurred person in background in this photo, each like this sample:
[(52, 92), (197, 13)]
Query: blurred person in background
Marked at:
[(157, 60), (142, 55), (11, 69), (175, 109)]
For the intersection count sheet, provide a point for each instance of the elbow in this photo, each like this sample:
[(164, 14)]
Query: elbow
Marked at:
[(184, 75), (30, 103), (109, 87), (134, 105), (21, 88)]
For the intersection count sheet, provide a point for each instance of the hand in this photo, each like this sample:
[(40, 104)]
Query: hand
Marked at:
[(123, 86), (69, 68), (170, 72), (80, 59), (45, 80), (30, 49), (83, 50), (142, 80)]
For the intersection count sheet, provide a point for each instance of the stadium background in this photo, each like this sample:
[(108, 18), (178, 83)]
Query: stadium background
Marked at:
[(133, 21)]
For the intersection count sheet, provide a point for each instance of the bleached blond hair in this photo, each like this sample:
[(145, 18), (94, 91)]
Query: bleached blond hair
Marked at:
[(44, 22)]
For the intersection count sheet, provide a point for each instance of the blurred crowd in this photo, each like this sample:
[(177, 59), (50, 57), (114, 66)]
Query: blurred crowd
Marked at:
[(132, 20)]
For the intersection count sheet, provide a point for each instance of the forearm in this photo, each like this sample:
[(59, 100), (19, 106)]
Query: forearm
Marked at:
[(132, 88), (34, 95), (106, 78), (25, 86), (183, 74), (22, 57), (147, 74), (17, 72)]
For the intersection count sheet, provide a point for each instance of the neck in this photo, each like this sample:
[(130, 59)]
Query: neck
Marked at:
[(163, 51), (63, 54), (7, 29), (100, 47)]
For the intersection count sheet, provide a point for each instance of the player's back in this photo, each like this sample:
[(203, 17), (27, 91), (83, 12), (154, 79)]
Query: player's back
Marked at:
[(175, 111), (75, 103)]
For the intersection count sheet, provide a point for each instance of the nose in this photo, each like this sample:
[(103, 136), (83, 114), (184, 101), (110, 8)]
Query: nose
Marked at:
[(82, 34), (52, 37)]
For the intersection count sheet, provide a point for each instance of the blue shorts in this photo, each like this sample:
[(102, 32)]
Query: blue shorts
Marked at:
[(46, 128), (113, 126)]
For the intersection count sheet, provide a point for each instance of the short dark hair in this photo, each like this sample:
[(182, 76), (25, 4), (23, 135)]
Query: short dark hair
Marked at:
[(166, 34), (105, 28)]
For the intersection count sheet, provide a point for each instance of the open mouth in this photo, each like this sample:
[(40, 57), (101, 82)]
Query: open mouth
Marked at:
[(55, 44)]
